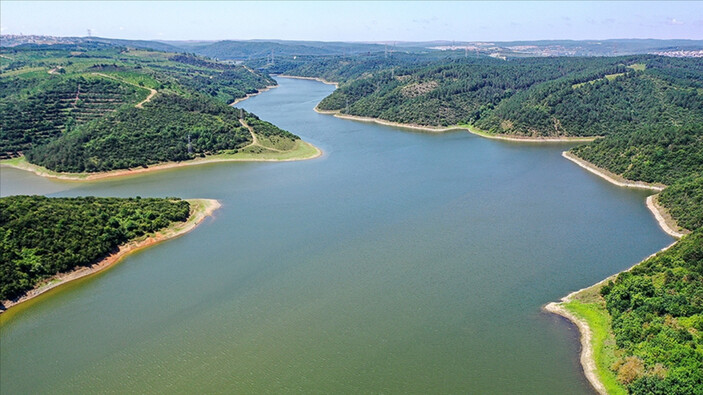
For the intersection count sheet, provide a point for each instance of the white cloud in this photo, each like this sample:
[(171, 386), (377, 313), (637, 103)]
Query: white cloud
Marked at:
[(674, 21)]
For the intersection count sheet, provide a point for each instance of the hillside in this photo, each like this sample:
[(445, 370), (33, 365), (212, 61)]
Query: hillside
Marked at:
[(95, 107), (529, 97)]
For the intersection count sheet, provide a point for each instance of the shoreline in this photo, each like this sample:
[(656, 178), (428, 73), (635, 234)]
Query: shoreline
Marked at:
[(664, 219), (200, 209), (588, 362), (241, 99), (44, 172), (443, 129), (324, 81), (611, 177)]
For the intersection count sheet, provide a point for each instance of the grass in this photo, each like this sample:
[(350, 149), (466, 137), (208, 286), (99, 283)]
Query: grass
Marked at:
[(608, 77), (301, 150), (638, 66), (25, 70), (590, 306), (277, 142), (519, 138), (134, 78)]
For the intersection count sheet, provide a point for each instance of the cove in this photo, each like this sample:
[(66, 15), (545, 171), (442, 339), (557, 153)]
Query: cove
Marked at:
[(397, 262)]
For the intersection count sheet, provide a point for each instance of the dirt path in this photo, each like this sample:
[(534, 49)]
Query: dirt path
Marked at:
[(152, 92), (255, 140)]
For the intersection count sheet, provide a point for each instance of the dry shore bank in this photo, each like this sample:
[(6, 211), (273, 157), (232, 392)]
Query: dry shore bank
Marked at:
[(307, 151)]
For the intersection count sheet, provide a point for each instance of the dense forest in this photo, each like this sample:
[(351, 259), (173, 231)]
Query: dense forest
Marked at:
[(44, 236), (83, 108), (657, 319)]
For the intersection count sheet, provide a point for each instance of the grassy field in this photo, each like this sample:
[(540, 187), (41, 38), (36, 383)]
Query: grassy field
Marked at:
[(301, 150), (608, 77), (590, 307)]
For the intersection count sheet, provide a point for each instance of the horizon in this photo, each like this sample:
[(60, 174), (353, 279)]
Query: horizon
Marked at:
[(357, 21), (354, 42)]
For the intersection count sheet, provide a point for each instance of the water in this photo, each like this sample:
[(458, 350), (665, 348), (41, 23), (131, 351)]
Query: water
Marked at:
[(397, 262)]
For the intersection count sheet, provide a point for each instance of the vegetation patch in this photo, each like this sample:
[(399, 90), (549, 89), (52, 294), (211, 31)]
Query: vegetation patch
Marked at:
[(657, 320)]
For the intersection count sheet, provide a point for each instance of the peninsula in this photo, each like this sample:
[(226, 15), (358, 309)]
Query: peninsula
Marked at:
[(101, 231), (102, 110)]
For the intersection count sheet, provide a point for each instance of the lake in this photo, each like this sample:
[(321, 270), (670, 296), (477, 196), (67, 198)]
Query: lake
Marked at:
[(398, 262)]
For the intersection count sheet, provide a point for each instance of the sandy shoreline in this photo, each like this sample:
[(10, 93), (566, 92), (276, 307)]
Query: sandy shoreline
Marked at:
[(200, 209), (324, 81), (664, 219), (438, 129), (44, 172), (588, 363), (241, 99), (611, 177)]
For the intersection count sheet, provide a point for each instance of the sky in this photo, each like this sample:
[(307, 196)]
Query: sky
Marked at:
[(356, 21)]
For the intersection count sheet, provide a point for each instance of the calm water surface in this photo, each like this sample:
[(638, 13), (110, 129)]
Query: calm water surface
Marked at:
[(399, 262)]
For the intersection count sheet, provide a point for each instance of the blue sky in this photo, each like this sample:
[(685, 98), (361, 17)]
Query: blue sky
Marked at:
[(356, 21)]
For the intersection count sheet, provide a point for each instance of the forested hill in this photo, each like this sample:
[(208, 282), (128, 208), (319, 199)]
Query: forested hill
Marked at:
[(134, 137), (42, 236), (530, 97), (96, 106)]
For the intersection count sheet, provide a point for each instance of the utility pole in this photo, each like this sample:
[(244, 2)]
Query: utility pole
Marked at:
[(347, 110), (190, 146)]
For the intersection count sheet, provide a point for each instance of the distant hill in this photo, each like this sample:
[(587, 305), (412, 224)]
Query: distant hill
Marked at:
[(243, 50), (260, 49)]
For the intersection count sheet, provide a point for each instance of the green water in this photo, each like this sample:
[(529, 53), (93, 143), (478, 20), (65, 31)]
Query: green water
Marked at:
[(399, 262)]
